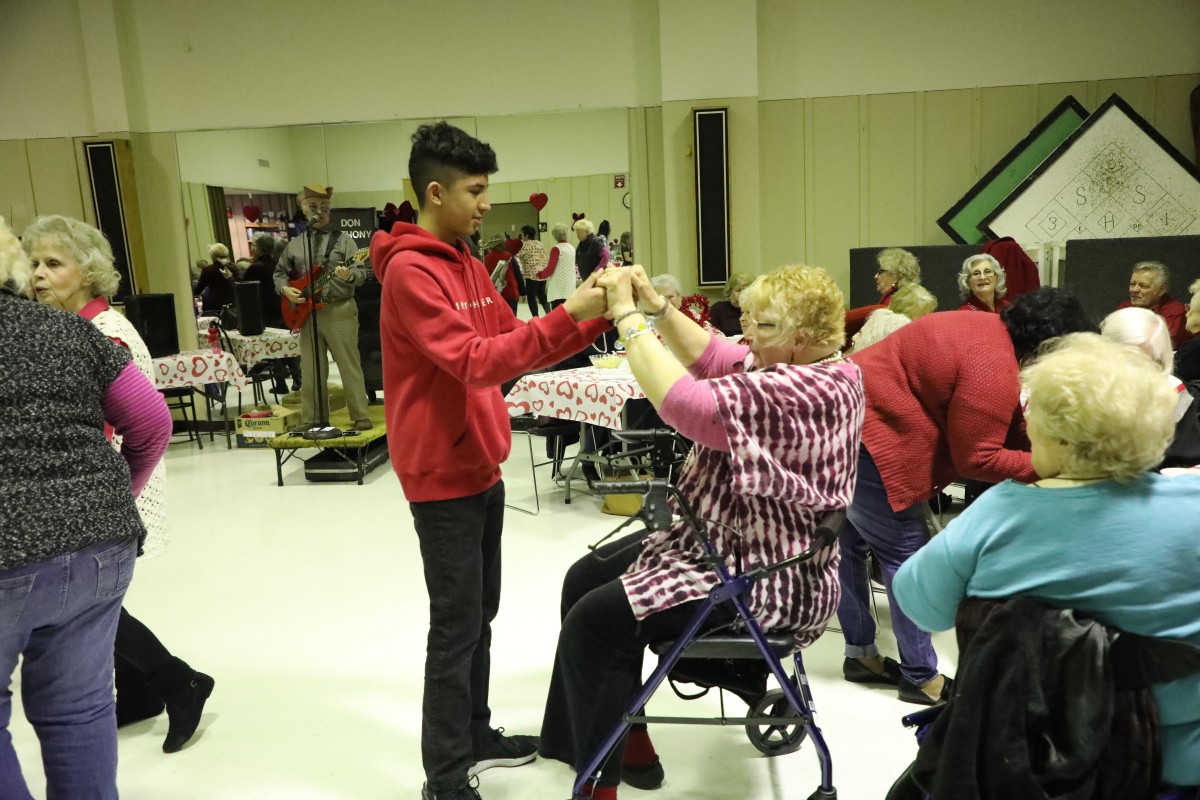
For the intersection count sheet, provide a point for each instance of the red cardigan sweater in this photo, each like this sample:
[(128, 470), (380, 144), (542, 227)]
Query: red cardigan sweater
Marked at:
[(943, 397)]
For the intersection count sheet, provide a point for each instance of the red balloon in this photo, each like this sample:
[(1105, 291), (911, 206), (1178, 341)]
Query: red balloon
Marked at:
[(538, 200)]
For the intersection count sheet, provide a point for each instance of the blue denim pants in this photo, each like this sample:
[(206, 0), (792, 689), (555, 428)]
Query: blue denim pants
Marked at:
[(61, 616), (892, 536)]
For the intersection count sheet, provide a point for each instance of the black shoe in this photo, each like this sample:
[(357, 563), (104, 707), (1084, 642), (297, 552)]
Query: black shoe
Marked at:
[(643, 776), (184, 708), (464, 792), (503, 751), (911, 693), (855, 671)]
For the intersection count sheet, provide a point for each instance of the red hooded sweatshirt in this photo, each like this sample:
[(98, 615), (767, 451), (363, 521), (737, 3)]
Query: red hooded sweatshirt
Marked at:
[(449, 341)]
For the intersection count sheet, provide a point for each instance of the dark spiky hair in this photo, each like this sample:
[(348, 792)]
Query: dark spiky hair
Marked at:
[(444, 153)]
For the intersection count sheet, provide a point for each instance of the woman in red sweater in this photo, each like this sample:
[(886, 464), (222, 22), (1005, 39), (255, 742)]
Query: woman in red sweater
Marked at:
[(981, 282), (943, 401)]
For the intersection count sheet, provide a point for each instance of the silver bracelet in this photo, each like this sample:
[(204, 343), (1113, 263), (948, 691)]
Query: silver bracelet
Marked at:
[(662, 312), (617, 320)]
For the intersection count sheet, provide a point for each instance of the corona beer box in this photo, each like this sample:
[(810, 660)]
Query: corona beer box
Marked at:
[(256, 431)]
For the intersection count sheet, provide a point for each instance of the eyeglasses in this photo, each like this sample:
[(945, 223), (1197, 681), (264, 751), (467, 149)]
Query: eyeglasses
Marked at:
[(882, 271), (986, 271), (749, 325), (316, 206)]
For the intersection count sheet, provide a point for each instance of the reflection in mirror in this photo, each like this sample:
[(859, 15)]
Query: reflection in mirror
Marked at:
[(578, 160)]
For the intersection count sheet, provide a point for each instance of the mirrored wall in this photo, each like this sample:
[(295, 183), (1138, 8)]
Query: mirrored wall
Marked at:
[(578, 160)]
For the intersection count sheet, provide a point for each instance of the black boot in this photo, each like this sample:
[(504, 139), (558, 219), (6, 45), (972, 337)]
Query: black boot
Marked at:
[(184, 708)]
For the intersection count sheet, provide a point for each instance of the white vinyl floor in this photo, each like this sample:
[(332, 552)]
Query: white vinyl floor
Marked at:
[(307, 605)]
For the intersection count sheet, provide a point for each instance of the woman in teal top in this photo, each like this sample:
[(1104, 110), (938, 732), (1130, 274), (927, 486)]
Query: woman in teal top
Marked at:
[(1098, 534)]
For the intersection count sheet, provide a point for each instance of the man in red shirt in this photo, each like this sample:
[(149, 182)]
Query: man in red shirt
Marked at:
[(448, 344), (1148, 289)]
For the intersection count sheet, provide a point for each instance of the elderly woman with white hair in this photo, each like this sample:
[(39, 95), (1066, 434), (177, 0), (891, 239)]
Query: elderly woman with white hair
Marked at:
[(73, 271), (726, 315), (560, 273), (591, 252), (215, 286), (1187, 357), (981, 283), (1097, 532), (69, 528), (776, 423)]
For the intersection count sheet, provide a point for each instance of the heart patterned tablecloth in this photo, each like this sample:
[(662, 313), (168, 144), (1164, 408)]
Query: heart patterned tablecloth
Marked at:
[(197, 368), (587, 394)]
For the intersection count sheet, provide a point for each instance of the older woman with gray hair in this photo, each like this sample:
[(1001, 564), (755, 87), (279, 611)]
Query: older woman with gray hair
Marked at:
[(1187, 357), (73, 271), (69, 528), (560, 273), (981, 283), (1096, 531), (591, 253)]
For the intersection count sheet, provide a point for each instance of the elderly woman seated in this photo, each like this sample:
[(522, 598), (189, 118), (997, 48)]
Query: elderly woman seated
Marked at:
[(776, 423), (981, 282), (726, 315), (1187, 357), (897, 268), (1097, 533)]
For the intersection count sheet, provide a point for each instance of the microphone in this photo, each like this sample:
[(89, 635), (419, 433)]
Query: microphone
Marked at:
[(314, 219)]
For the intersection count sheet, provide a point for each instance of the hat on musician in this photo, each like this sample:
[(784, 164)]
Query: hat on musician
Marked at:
[(313, 190)]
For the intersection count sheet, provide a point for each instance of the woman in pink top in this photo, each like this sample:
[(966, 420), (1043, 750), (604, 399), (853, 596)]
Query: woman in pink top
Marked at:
[(776, 423)]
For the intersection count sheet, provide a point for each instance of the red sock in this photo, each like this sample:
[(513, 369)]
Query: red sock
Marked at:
[(604, 793), (639, 750)]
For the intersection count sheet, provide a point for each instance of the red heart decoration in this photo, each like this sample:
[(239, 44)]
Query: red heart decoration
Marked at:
[(513, 246), (538, 200), (577, 217), (406, 213), (251, 213)]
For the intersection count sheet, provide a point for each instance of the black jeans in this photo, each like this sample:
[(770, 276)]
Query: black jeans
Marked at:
[(535, 293), (598, 664), (460, 549)]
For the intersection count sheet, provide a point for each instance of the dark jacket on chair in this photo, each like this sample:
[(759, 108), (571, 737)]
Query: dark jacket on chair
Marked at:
[(1049, 705)]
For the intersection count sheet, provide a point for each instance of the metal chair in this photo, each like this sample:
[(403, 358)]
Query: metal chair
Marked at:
[(183, 400)]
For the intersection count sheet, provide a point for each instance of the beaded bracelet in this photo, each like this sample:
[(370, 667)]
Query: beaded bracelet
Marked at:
[(633, 332), (617, 321), (629, 337)]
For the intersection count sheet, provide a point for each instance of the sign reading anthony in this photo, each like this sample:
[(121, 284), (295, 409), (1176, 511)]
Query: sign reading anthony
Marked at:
[(357, 222)]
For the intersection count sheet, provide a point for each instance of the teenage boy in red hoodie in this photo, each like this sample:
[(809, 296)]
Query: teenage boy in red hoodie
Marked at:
[(449, 341)]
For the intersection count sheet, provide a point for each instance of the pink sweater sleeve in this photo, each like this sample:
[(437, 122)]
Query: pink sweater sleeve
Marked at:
[(690, 407), (139, 414), (721, 357)]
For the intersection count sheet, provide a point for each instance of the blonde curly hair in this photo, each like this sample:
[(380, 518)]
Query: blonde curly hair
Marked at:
[(15, 270), (799, 298), (901, 263), (1108, 405)]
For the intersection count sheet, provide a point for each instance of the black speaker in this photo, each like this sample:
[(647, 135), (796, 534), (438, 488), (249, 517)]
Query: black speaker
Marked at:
[(153, 315), (249, 307), (712, 195)]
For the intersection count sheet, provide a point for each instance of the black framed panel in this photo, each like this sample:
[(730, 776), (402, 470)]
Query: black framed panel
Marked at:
[(940, 265), (110, 209), (712, 194), (1097, 271), (153, 316)]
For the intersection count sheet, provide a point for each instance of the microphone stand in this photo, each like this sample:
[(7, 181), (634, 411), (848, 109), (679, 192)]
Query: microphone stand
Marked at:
[(321, 428)]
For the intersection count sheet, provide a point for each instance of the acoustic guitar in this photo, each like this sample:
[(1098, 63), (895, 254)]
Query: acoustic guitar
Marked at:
[(312, 286)]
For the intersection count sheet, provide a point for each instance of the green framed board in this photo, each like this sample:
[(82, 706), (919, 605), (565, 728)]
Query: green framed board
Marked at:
[(962, 222)]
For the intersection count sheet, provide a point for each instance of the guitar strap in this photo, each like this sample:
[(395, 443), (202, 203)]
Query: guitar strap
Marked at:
[(333, 240)]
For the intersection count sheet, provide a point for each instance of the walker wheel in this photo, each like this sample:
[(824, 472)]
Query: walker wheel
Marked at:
[(782, 738)]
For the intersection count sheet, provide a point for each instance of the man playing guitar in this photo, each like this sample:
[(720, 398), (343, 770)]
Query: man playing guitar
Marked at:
[(335, 274)]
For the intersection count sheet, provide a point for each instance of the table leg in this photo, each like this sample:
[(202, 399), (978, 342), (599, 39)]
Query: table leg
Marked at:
[(278, 467)]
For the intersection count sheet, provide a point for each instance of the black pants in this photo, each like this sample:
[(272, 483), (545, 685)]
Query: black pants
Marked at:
[(460, 549), (598, 664), (535, 293), (146, 673)]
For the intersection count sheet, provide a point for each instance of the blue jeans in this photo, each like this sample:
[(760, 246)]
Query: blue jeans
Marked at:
[(460, 551), (892, 536), (61, 615)]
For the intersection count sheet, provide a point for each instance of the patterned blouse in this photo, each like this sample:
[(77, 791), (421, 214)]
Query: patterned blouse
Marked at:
[(793, 433), (152, 502)]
